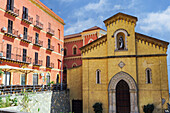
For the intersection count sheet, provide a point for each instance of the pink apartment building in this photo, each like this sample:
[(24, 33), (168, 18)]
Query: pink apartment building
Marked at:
[(31, 36)]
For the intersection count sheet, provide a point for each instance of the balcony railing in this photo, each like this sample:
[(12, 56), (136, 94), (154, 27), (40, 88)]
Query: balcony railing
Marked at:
[(38, 62), (50, 31), (12, 11), (13, 89), (51, 65), (38, 25), (50, 47), (38, 43), (27, 19), (27, 38), (27, 60), (12, 33), (15, 57)]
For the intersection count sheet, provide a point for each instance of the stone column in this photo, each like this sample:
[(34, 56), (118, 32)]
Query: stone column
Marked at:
[(112, 101), (133, 101)]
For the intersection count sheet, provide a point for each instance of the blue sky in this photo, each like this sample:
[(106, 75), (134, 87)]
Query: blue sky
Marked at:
[(153, 15)]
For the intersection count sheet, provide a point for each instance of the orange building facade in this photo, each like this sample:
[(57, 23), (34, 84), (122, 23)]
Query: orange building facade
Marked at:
[(72, 43), (31, 36)]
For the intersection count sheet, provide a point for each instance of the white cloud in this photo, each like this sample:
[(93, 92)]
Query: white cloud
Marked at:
[(81, 25), (92, 14), (159, 21)]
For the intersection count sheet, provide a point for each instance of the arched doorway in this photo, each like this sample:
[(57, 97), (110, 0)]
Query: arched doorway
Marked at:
[(120, 84), (122, 97)]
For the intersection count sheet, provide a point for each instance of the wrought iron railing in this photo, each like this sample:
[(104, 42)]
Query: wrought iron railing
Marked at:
[(39, 25), (50, 47), (12, 10), (28, 18), (15, 57), (13, 32), (38, 62), (27, 38), (51, 65), (19, 89), (50, 31), (38, 43)]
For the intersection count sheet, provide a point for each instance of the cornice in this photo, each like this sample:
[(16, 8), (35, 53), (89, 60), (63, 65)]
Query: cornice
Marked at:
[(71, 58), (46, 10), (151, 40)]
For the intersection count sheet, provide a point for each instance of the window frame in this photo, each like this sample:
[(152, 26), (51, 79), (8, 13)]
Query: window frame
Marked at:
[(98, 76), (24, 55), (148, 77), (8, 51), (10, 26)]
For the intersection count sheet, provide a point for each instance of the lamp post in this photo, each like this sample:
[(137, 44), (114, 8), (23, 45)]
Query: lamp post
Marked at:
[(61, 68)]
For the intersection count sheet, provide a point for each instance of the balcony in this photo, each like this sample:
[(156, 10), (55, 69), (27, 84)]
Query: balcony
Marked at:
[(38, 62), (12, 33), (14, 57), (26, 59), (50, 48), (12, 11), (38, 25), (27, 19), (51, 65), (27, 39), (50, 31), (38, 43)]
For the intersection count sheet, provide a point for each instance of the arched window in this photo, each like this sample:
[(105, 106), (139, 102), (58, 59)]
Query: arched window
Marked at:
[(98, 77), (65, 51), (91, 40), (148, 76), (47, 78), (58, 78), (74, 48), (74, 65)]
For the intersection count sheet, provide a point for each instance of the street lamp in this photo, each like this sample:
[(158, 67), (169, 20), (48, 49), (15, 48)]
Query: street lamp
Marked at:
[(61, 68)]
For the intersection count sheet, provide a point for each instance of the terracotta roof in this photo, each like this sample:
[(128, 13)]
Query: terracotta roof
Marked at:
[(93, 42), (93, 28), (72, 35)]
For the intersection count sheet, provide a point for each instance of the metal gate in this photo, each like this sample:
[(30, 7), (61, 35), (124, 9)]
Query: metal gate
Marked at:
[(77, 106)]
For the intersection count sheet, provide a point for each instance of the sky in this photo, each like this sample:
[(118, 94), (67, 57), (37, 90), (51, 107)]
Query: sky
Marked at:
[(153, 15)]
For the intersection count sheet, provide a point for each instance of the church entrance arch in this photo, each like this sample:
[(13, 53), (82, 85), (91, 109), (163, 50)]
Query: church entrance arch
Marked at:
[(122, 93)]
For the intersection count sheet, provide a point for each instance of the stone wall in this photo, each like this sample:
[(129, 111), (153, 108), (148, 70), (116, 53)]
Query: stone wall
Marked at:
[(46, 102), (60, 102)]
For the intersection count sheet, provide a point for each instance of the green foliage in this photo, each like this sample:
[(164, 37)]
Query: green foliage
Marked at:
[(1, 72), (8, 102), (98, 107), (50, 83), (148, 108), (26, 99)]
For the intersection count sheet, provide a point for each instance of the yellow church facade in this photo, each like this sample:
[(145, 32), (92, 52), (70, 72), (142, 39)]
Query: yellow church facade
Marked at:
[(123, 70)]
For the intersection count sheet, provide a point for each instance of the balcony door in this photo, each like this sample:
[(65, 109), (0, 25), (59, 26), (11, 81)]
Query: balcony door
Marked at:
[(10, 5), (7, 78), (35, 79)]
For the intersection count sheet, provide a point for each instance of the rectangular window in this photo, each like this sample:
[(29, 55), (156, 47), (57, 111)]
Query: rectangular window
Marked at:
[(8, 51), (10, 26), (49, 43), (36, 38), (23, 79), (59, 33), (24, 55), (35, 79), (58, 48), (10, 5), (25, 13), (48, 61), (36, 58), (25, 33)]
